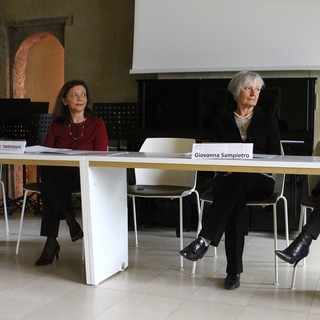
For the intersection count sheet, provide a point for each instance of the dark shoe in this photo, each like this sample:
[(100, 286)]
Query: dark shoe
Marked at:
[(232, 281), (74, 228), (50, 251), (195, 250), (297, 250), (78, 236), (76, 232)]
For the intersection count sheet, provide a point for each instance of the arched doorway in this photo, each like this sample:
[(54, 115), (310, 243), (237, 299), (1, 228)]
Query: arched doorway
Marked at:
[(38, 68), (38, 74)]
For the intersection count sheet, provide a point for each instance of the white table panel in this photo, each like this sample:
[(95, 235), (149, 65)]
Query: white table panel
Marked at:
[(105, 221)]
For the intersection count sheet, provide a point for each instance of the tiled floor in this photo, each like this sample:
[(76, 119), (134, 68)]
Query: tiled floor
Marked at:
[(153, 286)]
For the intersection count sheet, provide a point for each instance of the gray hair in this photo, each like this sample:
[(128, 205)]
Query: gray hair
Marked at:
[(237, 83)]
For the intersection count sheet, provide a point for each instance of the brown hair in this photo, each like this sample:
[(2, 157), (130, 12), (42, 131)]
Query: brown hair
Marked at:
[(61, 111)]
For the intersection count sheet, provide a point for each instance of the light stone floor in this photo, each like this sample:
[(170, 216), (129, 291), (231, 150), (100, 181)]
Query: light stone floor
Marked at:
[(153, 286)]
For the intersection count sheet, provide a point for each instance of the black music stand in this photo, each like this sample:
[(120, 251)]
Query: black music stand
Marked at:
[(123, 120)]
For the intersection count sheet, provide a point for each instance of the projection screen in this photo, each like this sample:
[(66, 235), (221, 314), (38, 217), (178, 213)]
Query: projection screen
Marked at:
[(225, 35)]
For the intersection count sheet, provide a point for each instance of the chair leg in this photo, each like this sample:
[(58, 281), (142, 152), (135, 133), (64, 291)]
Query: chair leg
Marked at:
[(275, 230), (135, 220), (5, 206), (200, 213), (194, 265), (181, 230), (303, 217), (21, 219), (198, 206), (286, 220), (293, 281)]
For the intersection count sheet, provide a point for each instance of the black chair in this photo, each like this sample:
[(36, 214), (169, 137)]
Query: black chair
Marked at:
[(32, 128)]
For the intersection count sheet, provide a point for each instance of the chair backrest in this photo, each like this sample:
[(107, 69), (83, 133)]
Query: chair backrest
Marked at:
[(39, 125), (166, 177), (312, 179)]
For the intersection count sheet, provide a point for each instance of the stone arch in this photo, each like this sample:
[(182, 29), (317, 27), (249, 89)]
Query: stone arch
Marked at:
[(22, 35), (38, 68)]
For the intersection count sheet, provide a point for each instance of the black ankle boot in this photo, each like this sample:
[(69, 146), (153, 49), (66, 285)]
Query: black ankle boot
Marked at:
[(50, 251), (195, 250), (76, 232), (297, 250)]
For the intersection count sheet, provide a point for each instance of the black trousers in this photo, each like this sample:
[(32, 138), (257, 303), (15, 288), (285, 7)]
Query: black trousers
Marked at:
[(313, 223), (227, 213), (58, 183)]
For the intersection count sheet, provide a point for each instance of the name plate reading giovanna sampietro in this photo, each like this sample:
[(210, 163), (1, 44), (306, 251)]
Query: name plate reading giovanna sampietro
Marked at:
[(222, 151), (7, 146)]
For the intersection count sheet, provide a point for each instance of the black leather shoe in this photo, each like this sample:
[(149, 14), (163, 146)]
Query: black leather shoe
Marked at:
[(195, 250), (297, 250), (232, 281)]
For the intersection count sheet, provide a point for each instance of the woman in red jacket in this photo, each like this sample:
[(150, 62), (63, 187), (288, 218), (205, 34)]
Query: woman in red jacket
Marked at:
[(74, 127)]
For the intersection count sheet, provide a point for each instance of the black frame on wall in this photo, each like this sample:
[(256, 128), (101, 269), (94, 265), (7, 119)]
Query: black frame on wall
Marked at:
[(187, 107)]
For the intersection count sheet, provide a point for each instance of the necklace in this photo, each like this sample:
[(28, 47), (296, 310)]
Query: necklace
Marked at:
[(245, 117), (81, 134)]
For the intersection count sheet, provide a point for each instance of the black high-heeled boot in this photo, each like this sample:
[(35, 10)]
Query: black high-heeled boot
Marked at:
[(50, 251), (298, 249)]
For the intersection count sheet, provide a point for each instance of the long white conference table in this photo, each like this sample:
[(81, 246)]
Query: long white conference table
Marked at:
[(104, 193)]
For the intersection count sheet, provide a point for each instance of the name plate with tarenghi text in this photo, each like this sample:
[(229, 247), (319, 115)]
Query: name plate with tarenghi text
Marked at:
[(13, 146)]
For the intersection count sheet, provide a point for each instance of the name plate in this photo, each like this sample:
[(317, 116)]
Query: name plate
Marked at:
[(222, 151), (7, 146)]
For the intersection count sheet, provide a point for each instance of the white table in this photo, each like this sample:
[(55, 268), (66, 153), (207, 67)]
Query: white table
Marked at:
[(104, 210), (104, 194)]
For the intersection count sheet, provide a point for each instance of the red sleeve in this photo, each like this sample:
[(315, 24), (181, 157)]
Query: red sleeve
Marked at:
[(49, 140), (101, 139)]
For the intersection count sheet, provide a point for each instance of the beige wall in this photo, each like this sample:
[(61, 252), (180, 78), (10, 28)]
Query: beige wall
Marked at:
[(98, 44)]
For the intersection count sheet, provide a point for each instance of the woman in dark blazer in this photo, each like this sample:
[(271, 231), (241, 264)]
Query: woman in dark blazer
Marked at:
[(227, 214)]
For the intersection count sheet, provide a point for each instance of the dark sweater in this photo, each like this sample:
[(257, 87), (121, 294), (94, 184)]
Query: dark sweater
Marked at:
[(263, 131)]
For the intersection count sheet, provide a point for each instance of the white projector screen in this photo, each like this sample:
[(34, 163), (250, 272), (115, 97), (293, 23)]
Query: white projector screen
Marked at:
[(226, 35)]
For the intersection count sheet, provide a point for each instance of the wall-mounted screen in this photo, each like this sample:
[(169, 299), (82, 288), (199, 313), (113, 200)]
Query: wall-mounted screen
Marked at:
[(219, 35)]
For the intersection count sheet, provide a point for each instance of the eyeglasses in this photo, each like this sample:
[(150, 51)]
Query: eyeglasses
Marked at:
[(77, 95)]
